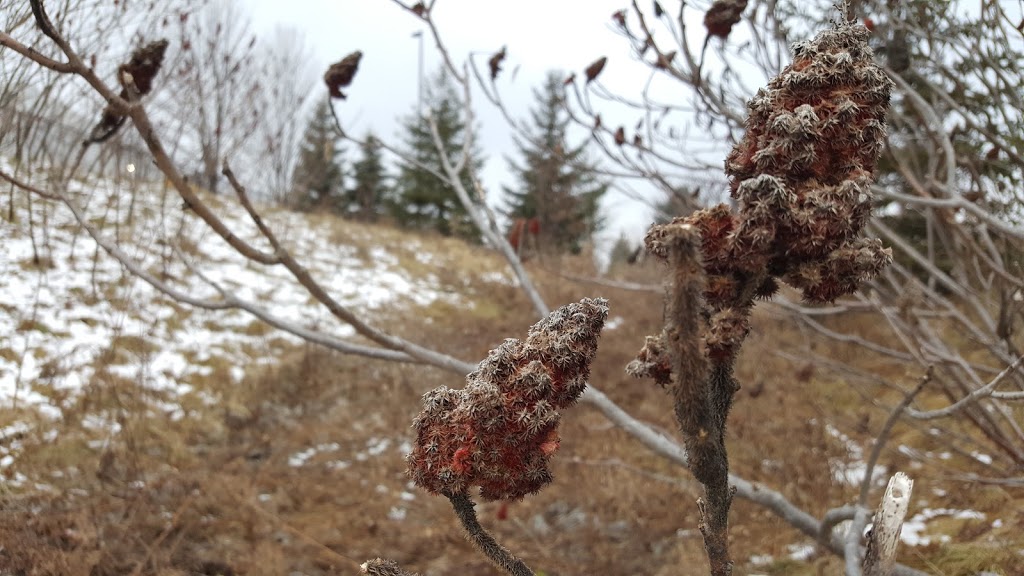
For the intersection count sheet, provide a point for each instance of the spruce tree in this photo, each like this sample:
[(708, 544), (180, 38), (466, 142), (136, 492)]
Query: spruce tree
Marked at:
[(370, 181), (623, 252), (421, 199), (319, 182), (556, 184)]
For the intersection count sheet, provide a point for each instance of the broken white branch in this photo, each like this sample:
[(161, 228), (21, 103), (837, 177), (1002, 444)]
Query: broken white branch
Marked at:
[(888, 522)]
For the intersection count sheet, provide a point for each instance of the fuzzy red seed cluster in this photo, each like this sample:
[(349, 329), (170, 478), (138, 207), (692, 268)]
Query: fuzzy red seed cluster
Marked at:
[(500, 430), (801, 178)]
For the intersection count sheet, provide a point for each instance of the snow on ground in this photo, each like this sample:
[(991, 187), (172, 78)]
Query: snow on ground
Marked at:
[(852, 469), (67, 307), (914, 529)]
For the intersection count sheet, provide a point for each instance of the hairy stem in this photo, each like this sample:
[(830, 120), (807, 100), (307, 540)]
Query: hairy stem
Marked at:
[(501, 557), (703, 391)]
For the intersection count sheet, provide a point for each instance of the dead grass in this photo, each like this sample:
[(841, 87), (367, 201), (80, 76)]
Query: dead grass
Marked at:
[(299, 469)]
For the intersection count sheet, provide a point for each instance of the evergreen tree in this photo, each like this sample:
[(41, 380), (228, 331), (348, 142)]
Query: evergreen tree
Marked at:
[(370, 181), (623, 252), (319, 182), (422, 200), (556, 184)]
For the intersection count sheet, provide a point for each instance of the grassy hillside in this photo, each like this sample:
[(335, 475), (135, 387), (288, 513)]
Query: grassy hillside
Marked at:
[(143, 436)]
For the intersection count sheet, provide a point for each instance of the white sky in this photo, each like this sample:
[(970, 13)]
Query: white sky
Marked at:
[(540, 35)]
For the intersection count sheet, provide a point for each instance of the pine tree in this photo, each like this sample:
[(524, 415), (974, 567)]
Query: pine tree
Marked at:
[(422, 200), (556, 184), (623, 252), (370, 181), (319, 182)]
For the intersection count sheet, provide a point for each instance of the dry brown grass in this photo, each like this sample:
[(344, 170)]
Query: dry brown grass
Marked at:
[(222, 489)]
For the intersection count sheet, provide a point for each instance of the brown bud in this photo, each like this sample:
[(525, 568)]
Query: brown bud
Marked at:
[(495, 63), (595, 68), (665, 60), (722, 16), (341, 73)]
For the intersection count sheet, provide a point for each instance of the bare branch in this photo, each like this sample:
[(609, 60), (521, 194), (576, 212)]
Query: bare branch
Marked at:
[(883, 436), (303, 276), (7, 42), (453, 179), (979, 393), (853, 536)]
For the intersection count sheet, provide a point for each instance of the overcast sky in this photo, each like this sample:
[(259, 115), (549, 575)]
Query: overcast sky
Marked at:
[(540, 34)]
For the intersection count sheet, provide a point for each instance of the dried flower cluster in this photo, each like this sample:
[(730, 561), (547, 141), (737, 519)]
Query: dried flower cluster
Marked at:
[(499, 431), (136, 79), (722, 16), (802, 179), (341, 73), (143, 67)]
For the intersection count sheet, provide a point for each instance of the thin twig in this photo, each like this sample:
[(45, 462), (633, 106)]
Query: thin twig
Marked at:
[(883, 435), (853, 536), (833, 518), (979, 393), (632, 286), (337, 309)]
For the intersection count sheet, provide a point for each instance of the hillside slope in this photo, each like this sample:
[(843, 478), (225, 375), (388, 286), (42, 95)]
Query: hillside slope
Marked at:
[(140, 435), (70, 309)]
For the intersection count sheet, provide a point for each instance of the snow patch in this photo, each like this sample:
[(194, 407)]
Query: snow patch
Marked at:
[(852, 470), (74, 314), (914, 529)]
